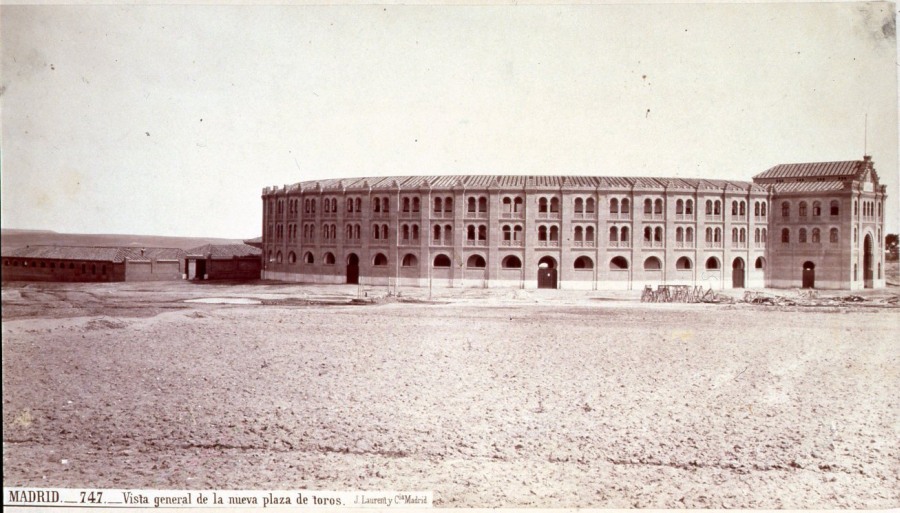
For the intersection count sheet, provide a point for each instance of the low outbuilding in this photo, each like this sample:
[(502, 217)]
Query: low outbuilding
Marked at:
[(92, 263), (224, 262)]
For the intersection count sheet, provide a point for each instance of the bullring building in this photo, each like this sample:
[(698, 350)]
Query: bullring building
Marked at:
[(814, 225)]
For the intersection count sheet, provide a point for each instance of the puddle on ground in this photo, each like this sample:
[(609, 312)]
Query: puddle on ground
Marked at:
[(225, 301)]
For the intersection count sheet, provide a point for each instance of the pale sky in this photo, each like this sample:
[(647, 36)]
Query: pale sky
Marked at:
[(169, 120)]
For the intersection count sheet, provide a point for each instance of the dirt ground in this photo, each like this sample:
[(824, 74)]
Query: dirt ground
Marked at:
[(487, 397)]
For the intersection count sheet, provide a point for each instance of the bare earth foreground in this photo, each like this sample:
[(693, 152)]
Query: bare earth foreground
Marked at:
[(488, 398)]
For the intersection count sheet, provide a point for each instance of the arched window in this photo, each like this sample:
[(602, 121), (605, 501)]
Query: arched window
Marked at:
[(709, 209), (328, 259), (542, 205), (689, 235), (648, 206), (657, 234), (816, 236), (625, 206), (584, 262), (437, 233), (404, 232), (679, 207), (442, 261), (554, 233), (482, 204), (679, 234), (734, 208), (833, 235), (760, 263), (308, 258), (624, 234), (762, 208), (409, 260), (349, 204), (517, 204), (614, 206), (507, 232), (579, 206), (438, 205), (517, 232), (380, 260), (356, 229), (415, 204), (717, 208), (785, 236), (506, 203), (683, 263), (689, 207), (470, 232), (476, 261), (542, 233), (712, 263), (292, 258), (415, 232), (579, 234), (590, 206), (658, 207), (652, 264), (743, 208), (835, 207), (785, 209), (376, 231), (554, 204), (405, 204), (756, 208), (448, 204), (511, 262), (817, 209), (648, 234), (801, 210), (358, 202), (613, 234), (801, 237), (589, 234), (448, 234), (471, 205), (618, 264)]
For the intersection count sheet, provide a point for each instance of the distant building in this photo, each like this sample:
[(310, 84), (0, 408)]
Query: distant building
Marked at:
[(796, 225), (92, 263), (224, 262)]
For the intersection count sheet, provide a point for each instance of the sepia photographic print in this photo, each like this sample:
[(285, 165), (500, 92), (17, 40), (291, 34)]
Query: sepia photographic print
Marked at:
[(469, 256)]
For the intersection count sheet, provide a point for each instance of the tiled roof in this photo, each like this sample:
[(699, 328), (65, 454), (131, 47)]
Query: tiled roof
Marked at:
[(95, 253), (814, 186), (814, 169), (511, 182), (225, 251)]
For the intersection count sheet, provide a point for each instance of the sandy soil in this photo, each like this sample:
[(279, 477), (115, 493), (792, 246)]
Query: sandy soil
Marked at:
[(488, 398)]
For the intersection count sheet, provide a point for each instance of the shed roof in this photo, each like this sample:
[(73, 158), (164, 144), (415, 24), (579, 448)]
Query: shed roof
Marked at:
[(114, 254), (224, 251)]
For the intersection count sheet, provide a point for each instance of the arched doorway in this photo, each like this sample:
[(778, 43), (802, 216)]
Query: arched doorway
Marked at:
[(547, 273), (353, 269), (809, 275), (868, 259), (737, 273)]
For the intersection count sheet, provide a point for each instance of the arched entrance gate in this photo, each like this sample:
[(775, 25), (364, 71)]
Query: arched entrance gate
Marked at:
[(548, 275), (353, 269)]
